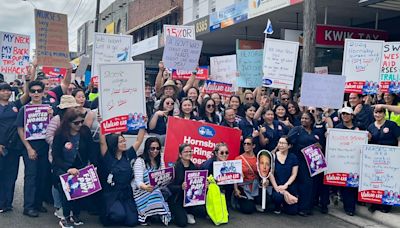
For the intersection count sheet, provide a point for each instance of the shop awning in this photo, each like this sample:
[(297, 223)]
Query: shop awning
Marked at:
[(381, 4)]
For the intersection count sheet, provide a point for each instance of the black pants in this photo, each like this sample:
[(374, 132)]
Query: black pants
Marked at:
[(349, 196), (9, 174), (68, 206), (305, 185), (248, 206), (279, 201), (320, 191), (179, 212)]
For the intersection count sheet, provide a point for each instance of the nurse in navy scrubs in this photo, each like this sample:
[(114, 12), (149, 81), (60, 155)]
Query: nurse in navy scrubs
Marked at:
[(383, 132), (271, 131)]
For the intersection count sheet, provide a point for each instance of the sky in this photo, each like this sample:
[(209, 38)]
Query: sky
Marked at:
[(17, 15)]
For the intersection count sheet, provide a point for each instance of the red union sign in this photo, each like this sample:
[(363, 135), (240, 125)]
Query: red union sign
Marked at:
[(335, 35)]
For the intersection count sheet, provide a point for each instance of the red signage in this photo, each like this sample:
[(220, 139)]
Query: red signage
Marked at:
[(115, 125), (330, 35), (55, 74), (94, 81), (202, 74), (201, 136)]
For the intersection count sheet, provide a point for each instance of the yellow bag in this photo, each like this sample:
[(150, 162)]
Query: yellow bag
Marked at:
[(216, 203)]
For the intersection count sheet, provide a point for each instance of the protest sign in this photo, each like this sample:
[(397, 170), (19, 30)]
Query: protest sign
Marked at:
[(279, 66), (201, 74), (223, 89), (228, 172), (322, 91), (181, 31), (51, 39), (249, 63), (181, 53), (380, 175), (223, 69), (362, 65), (119, 84), (390, 71), (36, 120), (14, 58), (202, 137), (315, 160), (82, 185), (321, 70), (109, 48), (162, 177), (55, 74), (83, 64), (343, 149), (195, 192)]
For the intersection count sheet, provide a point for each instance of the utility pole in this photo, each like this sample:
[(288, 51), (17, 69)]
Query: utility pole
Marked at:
[(96, 23), (309, 35)]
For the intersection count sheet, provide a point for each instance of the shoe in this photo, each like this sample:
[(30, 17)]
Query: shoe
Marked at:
[(76, 220), (302, 213), (66, 223), (324, 210), (59, 213), (42, 209), (190, 219), (144, 224), (31, 213), (277, 211), (372, 208), (259, 208), (386, 210), (350, 213), (7, 209)]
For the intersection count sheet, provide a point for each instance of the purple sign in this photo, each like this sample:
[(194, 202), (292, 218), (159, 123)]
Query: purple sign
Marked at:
[(85, 184), (315, 160), (195, 192), (162, 177), (36, 120)]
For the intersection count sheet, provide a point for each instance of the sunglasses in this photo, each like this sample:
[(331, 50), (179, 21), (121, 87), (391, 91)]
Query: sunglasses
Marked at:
[(210, 106), (77, 123), (169, 103), (223, 152), (381, 111), (155, 148), (247, 143), (36, 90), (285, 99), (249, 98)]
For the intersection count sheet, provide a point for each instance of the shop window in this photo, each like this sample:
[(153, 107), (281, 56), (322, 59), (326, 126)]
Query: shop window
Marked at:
[(119, 26)]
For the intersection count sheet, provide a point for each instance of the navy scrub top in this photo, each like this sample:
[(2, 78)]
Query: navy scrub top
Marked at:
[(300, 139), (284, 171), (388, 134), (275, 134), (8, 115)]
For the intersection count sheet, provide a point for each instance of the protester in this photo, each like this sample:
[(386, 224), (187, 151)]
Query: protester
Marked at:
[(80, 98), (284, 99), (236, 104), (363, 114), (281, 114), (219, 106), (193, 94), (158, 122), (271, 131), (207, 111), (294, 113), (248, 125), (391, 99), (229, 118), (186, 109)]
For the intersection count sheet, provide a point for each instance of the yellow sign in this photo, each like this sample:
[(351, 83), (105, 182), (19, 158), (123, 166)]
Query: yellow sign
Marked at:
[(110, 28)]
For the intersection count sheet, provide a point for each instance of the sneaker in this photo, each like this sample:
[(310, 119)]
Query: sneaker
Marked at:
[(65, 223), (59, 213), (76, 220), (190, 219), (259, 208)]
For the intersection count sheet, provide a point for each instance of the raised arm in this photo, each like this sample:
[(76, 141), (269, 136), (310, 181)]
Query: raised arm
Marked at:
[(190, 82), (139, 139), (67, 80), (159, 79)]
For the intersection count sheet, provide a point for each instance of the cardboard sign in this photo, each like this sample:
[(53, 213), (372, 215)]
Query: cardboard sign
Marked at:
[(362, 65), (201, 74), (36, 120), (181, 53), (315, 160), (108, 48), (55, 74), (162, 177), (322, 91), (122, 102), (223, 89), (380, 175), (223, 69), (14, 55), (83, 64), (51, 39), (228, 172), (250, 65), (181, 31), (202, 137), (83, 185), (195, 193), (390, 71), (280, 61), (343, 149)]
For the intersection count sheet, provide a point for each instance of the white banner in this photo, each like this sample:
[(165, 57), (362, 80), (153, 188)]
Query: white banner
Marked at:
[(228, 172), (181, 53), (224, 69)]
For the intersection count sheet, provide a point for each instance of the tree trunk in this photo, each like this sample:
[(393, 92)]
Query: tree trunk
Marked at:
[(309, 35)]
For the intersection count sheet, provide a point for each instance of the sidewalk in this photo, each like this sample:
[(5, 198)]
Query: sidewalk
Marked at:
[(364, 218)]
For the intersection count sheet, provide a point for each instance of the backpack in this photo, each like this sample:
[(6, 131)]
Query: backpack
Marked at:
[(216, 203)]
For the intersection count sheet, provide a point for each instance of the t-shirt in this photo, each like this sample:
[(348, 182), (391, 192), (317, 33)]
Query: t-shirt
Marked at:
[(70, 150), (8, 115)]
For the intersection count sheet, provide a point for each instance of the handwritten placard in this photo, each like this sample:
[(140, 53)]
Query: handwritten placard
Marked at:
[(182, 31), (181, 53), (14, 55), (323, 91), (109, 48), (162, 177), (380, 175), (83, 64), (228, 172), (362, 65), (249, 63), (343, 151), (224, 69), (280, 61), (36, 120), (315, 160), (390, 71), (51, 38), (195, 192), (122, 102), (223, 89)]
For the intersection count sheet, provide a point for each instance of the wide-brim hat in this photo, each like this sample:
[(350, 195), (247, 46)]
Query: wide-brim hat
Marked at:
[(170, 82), (67, 101)]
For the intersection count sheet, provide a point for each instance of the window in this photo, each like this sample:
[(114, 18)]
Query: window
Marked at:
[(119, 26)]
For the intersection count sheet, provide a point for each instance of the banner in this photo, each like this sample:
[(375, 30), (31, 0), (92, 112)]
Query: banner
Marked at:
[(51, 39), (343, 149), (223, 69), (108, 48), (82, 185), (250, 64), (257, 7), (380, 175), (195, 193), (390, 71), (315, 160), (228, 172), (322, 90), (122, 102), (223, 89), (162, 177), (14, 55), (280, 61), (181, 53), (201, 74), (55, 74), (202, 137), (181, 31), (36, 120), (362, 65), (229, 15)]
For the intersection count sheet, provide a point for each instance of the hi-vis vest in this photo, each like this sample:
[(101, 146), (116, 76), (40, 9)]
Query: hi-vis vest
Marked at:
[(393, 116), (216, 203)]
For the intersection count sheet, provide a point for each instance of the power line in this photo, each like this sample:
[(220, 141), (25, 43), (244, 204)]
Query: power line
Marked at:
[(76, 11)]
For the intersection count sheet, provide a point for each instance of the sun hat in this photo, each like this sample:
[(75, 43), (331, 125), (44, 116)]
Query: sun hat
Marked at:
[(347, 110), (67, 101), (170, 82)]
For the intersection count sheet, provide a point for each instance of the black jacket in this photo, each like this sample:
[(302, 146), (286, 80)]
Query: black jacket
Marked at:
[(176, 185)]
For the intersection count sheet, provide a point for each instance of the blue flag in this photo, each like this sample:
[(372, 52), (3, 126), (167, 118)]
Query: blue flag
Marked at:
[(269, 30)]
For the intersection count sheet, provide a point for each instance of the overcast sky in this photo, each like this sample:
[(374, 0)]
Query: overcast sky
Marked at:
[(17, 15)]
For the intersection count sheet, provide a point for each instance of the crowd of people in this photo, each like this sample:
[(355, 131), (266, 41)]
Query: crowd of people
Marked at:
[(269, 119)]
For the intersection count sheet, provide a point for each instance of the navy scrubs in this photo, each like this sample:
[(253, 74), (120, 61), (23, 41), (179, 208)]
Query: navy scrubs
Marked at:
[(274, 134)]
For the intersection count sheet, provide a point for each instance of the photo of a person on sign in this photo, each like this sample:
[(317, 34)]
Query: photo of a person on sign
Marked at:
[(265, 166)]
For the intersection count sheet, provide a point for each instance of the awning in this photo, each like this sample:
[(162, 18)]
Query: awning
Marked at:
[(381, 4), (168, 12)]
